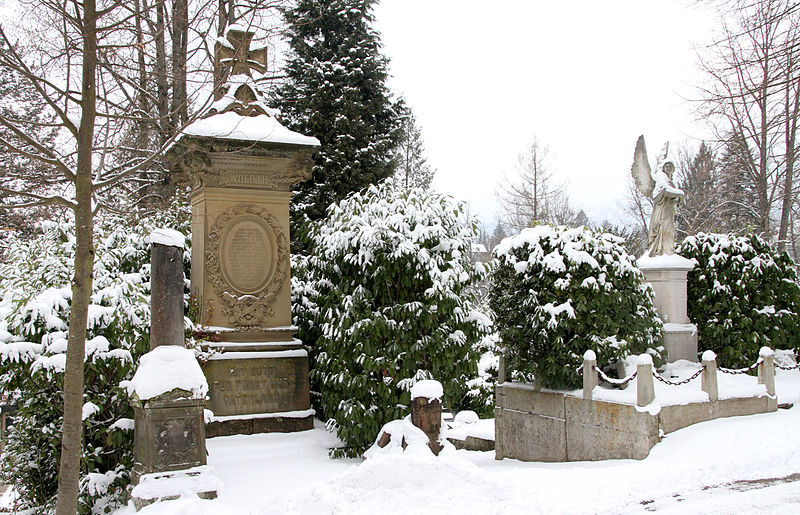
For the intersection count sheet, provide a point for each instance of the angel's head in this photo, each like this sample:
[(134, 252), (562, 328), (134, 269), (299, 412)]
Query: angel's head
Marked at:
[(668, 169)]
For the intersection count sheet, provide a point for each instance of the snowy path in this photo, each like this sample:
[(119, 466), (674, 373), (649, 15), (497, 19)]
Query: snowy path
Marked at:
[(714, 467)]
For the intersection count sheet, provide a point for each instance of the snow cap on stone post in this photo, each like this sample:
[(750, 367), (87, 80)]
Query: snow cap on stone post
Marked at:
[(428, 388)]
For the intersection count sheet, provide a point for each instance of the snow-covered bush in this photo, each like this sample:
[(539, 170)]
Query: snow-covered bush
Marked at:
[(742, 295), (557, 292), (384, 300), (35, 298)]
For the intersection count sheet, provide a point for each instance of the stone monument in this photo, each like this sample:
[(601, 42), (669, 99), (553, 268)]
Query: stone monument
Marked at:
[(662, 268), (241, 163), (168, 392)]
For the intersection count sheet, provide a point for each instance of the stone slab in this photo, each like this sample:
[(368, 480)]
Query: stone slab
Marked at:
[(244, 385), (676, 417), (529, 437), (250, 426)]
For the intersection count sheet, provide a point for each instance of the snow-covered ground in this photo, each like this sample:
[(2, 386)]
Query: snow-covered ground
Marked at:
[(741, 464)]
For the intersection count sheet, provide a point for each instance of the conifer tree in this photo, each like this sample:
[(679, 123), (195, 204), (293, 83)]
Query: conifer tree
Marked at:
[(336, 91), (413, 170)]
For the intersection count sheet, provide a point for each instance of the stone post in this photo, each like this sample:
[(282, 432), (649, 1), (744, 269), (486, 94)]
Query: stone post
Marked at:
[(166, 288), (501, 369), (589, 374), (426, 411), (645, 389), (766, 370), (708, 379)]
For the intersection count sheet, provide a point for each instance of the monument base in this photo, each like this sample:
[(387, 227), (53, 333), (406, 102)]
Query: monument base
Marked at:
[(667, 277), (258, 383), (281, 422), (680, 342)]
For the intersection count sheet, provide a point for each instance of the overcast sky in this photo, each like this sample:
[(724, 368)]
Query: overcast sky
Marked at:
[(585, 77)]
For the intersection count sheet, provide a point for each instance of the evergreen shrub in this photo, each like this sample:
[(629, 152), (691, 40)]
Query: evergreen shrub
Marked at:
[(35, 295), (558, 292), (742, 295), (385, 301)]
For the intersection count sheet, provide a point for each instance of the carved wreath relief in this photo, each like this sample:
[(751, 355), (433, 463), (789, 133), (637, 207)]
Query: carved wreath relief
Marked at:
[(247, 263)]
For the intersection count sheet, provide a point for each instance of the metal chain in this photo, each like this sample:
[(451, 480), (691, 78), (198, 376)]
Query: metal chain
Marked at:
[(741, 370), (792, 367), (678, 383), (617, 382)]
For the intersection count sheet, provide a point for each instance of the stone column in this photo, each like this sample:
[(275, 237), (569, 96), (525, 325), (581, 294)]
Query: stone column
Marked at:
[(589, 374), (645, 389), (166, 288), (766, 370), (708, 379)]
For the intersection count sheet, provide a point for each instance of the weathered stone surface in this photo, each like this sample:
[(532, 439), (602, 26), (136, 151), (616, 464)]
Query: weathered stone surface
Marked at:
[(166, 299), (252, 426), (669, 286), (676, 417), (170, 435), (473, 443), (603, 430), (523, 397), (242, 385), (427, 415), (680, 341), (596, 430), (529, 437)]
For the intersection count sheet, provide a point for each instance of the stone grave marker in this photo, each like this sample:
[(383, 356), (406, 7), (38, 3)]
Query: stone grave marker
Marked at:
[(241, 163)]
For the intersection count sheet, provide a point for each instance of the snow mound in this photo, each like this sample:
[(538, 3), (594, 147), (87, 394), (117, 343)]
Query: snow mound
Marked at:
[(168, 237)]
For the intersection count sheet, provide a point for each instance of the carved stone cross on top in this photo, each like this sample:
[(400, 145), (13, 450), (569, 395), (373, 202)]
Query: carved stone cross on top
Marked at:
[(234, 57)]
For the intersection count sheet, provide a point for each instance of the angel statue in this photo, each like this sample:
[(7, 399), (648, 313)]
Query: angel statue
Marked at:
[(665, 195)]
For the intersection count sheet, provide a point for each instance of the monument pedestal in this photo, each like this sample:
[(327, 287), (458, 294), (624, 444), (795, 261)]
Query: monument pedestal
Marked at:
[(258, 383), (667, 276)]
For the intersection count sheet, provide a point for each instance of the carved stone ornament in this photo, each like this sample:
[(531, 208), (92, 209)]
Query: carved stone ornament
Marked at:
[(247, 261)]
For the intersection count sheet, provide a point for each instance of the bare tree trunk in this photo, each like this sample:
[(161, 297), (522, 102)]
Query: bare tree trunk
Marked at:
[(72, 431), (180, 42), (162, 84)]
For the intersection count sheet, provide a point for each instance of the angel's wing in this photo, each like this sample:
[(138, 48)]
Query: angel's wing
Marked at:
[(641, 170)]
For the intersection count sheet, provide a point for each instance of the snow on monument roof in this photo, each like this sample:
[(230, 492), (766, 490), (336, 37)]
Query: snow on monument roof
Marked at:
[(261, 128)]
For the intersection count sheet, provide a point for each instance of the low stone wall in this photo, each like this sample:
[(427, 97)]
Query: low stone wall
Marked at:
[(551, 426)]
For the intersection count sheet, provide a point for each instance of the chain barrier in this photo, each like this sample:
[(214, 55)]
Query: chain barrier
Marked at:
[(741, 370), (788, 367), (678, 383), (617, 382)]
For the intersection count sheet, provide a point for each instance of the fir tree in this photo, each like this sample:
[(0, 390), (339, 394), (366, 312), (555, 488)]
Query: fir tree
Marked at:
[(413, 170), (336, 91)]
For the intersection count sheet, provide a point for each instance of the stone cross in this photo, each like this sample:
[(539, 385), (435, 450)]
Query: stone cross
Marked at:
[(241, 58)]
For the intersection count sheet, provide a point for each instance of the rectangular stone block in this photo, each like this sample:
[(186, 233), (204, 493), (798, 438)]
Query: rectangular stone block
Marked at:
[(168, 436), (529, 437), (243, 383), (522, 397)]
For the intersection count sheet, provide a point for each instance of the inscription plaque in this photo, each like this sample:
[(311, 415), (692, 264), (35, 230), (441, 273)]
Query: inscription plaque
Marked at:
[(257, 385), (247, 260)]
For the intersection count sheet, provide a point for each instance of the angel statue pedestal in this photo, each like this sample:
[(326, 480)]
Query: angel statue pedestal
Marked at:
[(667, 275)]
